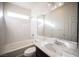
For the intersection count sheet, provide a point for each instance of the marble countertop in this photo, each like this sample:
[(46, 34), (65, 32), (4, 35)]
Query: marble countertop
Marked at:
[(55, 47)]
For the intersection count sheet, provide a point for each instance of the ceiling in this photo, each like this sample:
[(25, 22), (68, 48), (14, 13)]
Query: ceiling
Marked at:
[(28, 5), (37, 8)]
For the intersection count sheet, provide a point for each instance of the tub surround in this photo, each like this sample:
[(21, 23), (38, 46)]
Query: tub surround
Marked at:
[(16, 46), (55, 47), (16, 53)]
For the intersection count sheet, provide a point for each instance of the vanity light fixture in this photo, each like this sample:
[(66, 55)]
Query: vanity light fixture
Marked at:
[(60, 3), (57, 5)]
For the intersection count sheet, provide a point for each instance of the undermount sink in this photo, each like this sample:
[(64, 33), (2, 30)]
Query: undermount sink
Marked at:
[(56, 51), (58, 43), (50, 47)]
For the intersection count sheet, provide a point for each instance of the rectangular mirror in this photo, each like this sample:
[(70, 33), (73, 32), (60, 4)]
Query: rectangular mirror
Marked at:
[(60, 22)]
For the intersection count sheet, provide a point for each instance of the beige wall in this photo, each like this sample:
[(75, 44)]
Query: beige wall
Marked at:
[(17, 31), (2, 28)]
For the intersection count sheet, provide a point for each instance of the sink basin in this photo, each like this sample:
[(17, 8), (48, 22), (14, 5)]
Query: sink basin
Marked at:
[(50, 47), (54, 49)]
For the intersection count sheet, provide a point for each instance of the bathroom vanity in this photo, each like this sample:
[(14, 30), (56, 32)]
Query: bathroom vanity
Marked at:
[(57, 31), (54, 47)]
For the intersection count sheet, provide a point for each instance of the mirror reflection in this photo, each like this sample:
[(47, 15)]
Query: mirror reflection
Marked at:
[(60, 22)]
